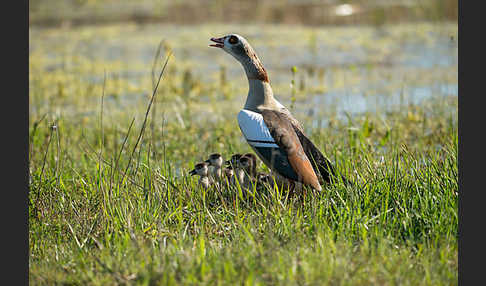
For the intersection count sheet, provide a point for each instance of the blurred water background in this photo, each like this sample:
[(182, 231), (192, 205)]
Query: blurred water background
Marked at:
[(324, 58)]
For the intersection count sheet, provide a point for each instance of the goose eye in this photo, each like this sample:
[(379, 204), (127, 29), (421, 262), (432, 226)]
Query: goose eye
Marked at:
[(233, 40)]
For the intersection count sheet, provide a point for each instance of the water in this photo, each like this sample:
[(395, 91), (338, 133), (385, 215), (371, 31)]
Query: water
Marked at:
[(346, 69)]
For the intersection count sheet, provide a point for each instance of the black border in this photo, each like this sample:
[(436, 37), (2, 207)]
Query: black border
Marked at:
[(471, 120), (15, 119)]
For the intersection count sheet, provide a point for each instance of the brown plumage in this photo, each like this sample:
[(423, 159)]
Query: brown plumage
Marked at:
[(285, 137)]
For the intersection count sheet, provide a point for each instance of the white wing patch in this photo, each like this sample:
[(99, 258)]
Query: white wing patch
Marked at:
[(254, 129)]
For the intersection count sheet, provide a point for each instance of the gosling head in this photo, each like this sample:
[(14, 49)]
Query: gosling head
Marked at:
[(233, 161), (251, 156), (200, 169), (215, 160), (245, 163)]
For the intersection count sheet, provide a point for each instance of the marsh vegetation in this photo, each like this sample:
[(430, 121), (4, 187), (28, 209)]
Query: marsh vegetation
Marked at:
[(111, 200)]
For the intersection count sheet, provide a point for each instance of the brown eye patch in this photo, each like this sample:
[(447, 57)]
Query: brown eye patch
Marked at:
[(215, 156), (233, 40), (236, 156), (200, 165)]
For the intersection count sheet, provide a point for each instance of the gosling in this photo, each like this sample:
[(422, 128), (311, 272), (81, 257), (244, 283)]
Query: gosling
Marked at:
[(201, 169), (216, 162)]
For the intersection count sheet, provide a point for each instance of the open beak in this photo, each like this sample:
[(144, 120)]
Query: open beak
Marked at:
[(219, 42), (193, 172)]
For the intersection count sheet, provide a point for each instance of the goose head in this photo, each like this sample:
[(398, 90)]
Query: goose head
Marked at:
[(240, 49), (233, 44)]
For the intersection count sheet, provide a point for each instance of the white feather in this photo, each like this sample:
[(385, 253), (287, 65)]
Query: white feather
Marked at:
[(254, 129)]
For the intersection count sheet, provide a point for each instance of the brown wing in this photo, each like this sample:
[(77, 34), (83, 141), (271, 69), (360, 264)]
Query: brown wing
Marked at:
[(321, 165), (283, 133)]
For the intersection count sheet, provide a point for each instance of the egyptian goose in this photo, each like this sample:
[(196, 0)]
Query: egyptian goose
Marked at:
[(251, 166), (248, 163), (238, 173), (229, 173), (248, 174), (269, 128), (233, 160), (216, 161), (201, 169)]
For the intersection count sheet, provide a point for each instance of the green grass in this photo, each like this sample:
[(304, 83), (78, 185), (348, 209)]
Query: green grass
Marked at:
[(102, 212)]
